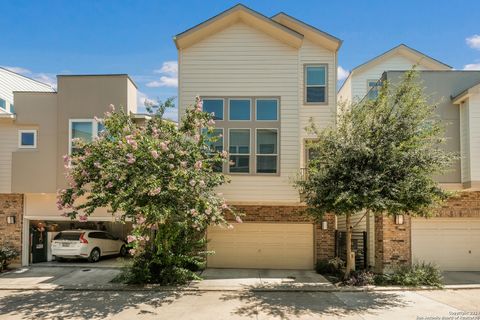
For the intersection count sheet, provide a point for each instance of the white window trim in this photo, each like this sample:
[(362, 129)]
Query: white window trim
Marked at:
[(20, 146), (305, 85), (223, 106), (94, 130), (264, 99), (249, 154), (250, 113), (267, 154)]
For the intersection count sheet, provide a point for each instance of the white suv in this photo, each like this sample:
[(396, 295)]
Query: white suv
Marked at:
[(87, 244)]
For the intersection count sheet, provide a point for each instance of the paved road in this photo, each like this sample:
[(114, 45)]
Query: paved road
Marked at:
[(237, 305)]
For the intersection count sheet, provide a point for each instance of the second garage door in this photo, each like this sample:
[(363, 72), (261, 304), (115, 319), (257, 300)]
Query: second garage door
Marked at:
[(262, 245), (453, 244)]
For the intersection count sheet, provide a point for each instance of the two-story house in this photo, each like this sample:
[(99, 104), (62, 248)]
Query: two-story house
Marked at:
[(264, 78), (40, 133)]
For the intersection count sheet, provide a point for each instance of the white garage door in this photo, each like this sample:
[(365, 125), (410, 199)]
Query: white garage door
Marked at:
[(262, 245), (453, 244)]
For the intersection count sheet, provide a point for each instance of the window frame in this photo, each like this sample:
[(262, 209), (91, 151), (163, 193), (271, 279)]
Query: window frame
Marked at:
[(4, 102), (94, 130), (256, 109), (249, 154), (223, 106), (240, 98), (305, 85), (35, 135), (378, 84), (277, 154)]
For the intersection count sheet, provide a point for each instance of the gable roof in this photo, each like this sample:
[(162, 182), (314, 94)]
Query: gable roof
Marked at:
[(231, 16), (317, 35), (459, 98), (406, 51)]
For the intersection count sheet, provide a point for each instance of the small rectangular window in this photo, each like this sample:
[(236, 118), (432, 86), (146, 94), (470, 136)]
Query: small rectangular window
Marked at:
[(267, 150), (267, 109), (27, 139), (373, 86), (12, 108), (315, 84), (3, 104), (80, 129), (239, 109), (214, 106), (239, 148)]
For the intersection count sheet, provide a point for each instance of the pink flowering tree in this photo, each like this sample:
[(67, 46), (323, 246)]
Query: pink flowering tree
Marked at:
[(160, 177)]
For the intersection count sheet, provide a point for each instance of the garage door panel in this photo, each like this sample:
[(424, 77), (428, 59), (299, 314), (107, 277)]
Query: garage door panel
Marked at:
[(262, 245), (453, 244)]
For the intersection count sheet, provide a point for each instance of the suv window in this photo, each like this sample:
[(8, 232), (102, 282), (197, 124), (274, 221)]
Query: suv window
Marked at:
[(97, 235), (110, 236), (68, 236)]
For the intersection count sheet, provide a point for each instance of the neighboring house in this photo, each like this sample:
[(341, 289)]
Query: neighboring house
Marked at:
[(364, 78), (11, 82), (264, 78), (451, 239), (41, 133)]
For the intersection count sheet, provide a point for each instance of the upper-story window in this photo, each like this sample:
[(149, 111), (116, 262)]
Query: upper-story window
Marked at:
[(373, 86), (249, 131), (239, 109), (3, 104), (27, 139), (315, 84), (215, 106), (84, 129)]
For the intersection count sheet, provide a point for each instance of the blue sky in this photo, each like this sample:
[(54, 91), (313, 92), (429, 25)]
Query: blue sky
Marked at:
[(45, 38)]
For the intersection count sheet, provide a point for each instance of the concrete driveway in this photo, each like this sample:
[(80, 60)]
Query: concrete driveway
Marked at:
[(461, 277), (105, 262), (234, 279)]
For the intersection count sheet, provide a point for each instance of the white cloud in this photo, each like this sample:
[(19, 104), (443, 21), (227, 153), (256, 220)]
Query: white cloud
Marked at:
[(168, 67), (143, 99), (342, 74), (19, 70), (473, 41), (164, 81), (472, 66)]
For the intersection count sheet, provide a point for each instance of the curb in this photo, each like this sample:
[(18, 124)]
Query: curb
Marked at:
[(158, 288)]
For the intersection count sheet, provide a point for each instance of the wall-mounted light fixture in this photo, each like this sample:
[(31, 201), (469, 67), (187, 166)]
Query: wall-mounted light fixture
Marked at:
[(11, 219), (324, 225), (399, 219)]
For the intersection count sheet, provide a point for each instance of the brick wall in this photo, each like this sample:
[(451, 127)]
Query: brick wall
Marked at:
[(464, 204), (392, 243), (324, 239), (11, 234)]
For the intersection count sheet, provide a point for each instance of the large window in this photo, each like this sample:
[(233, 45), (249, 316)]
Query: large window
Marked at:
[(214, 106), (267, 150), (373, 86), (266, 109), (239, 109), (84, 129), (315, 84), (215, 144), (27, 139), (239, 149), (3, 104)]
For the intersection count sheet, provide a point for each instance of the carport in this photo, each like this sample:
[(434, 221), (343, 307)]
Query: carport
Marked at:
[(42, 221)]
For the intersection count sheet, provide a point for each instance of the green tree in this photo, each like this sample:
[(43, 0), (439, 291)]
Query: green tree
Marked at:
[(160, 177), (380, 157)]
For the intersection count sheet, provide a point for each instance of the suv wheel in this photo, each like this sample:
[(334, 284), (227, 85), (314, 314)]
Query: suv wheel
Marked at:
[(94, 255), (123, 251)]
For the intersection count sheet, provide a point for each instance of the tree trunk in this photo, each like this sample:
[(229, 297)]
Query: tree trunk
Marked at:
[(350, 262)]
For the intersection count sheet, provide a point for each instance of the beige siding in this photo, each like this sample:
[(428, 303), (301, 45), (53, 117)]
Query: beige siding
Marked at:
[(362, 225), (465, 141), (359, 79), (345, 93), (474, 138), (242, 61), (8, 144)]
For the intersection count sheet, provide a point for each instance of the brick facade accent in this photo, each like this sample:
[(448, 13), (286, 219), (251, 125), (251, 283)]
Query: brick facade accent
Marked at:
[(324, 239), (11, 234), (392, 243), (463, 205)]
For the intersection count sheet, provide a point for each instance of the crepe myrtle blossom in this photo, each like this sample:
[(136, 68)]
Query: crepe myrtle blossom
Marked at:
[(83, 218), (154, 154), (164, 146), (130, 158), (155, 191), (198, 165), (131, 238)]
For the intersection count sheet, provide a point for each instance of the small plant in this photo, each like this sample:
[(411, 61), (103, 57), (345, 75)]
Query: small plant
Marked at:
[(7, 254), (360, 278), (419, 274), (331, 267)]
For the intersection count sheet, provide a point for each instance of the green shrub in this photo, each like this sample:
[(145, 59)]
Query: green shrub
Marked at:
[(360, 278), (330, 267), (7, 254), (419, 274)]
